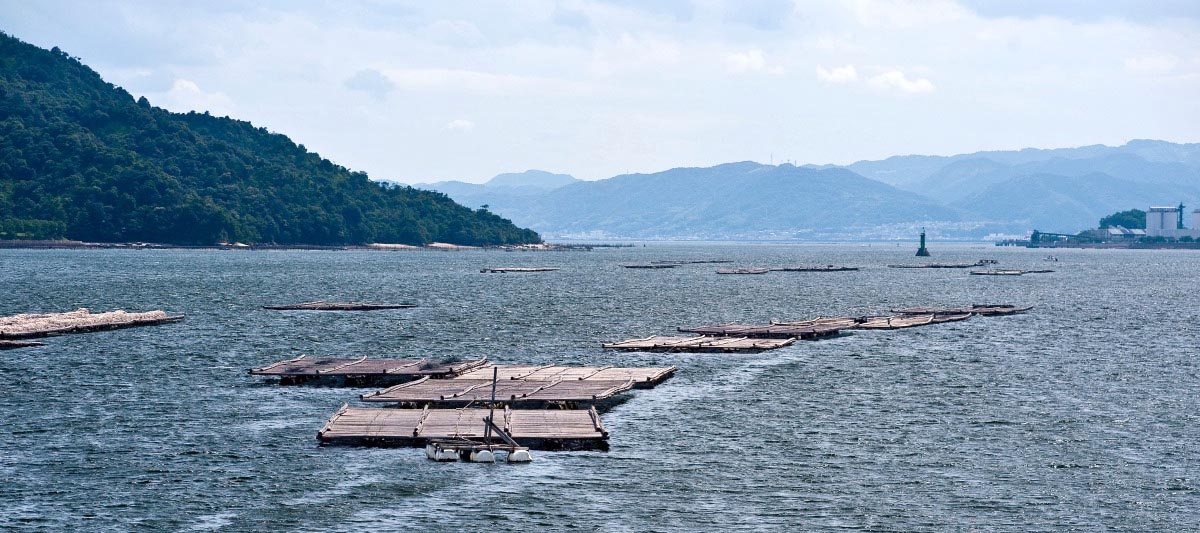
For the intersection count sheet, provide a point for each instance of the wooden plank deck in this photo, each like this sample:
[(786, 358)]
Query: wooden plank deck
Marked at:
[(699, 344), (772, 331), (642, 377), (575, 429), (361, 370), (461, 392)]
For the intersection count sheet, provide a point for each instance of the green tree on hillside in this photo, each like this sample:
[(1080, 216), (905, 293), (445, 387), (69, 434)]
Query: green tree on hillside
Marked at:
[(81, 158), (1131, 219)]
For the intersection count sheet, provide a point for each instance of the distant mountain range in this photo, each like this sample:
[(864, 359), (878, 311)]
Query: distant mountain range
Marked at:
[(963, 196)]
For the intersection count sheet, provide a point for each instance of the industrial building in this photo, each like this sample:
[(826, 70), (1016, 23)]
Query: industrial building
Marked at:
[(1168, 222)]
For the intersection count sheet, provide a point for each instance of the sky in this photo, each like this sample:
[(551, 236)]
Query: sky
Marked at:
[(429, 91)]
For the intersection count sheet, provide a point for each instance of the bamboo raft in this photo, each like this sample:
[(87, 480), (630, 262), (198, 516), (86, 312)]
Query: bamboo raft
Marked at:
[(1008, 272), (12, 345), (653, 266), (826, 268), (843, 322), (642, 377), (505, 270), (981, 262), (459, 392), (575, 429), (981, 310), (799, 331), (744, 271), (321, 305), (698, 344), (361, 371), (25, 326), (908, 321), (693, 262)]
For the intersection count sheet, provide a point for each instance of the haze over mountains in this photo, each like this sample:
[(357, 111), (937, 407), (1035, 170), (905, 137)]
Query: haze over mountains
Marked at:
[(962, 196)]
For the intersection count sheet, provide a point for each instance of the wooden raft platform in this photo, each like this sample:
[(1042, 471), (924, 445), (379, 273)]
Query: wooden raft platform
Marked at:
[(981, 262), (698, 344), (744, 271), (642, 377), (1008, 272), (653, 266), (465, 392), (505, 270), (29, 325), (574, 429), (908, 321), (322, 305), (12, 345), (981, 310), (773, 331), (361, 371), (764, 270)]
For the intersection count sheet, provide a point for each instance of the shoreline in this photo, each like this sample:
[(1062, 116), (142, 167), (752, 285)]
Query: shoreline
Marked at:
[(377, 247)]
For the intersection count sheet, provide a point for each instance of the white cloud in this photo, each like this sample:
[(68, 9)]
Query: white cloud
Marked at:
[(896, 80), (454, 32), (837, 75), (749, 60), (906, 14), (629, 53), (460, 124), (1152, 64), (185, 95)]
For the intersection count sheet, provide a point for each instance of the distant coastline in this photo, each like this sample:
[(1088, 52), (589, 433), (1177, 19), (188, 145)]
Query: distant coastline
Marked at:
[(435, 246)]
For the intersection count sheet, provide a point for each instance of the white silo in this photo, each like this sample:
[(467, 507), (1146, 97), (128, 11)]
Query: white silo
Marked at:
[(1161, 220)]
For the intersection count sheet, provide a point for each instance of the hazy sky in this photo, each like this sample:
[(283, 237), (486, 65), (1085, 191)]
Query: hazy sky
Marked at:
[(424, 91)]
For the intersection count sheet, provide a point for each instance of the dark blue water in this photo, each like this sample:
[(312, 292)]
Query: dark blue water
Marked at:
[(1079, 415)]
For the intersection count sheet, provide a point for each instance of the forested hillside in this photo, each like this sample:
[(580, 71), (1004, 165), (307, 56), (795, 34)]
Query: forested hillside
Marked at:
[(81, 159)]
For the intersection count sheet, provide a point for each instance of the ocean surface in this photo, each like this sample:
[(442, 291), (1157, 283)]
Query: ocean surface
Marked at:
[(1082, 414)]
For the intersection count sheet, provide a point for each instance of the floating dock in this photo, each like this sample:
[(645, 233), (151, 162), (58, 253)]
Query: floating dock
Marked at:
[(653, 266), (981, 262), (322, 305), (744, 271), (699, 344), (461, 392), (26, 326), (908, 321), (772, 331), (826, 268), (361, 371), (843, 322), (981, 310), (505, 270), (12, 345), (574, 429), (693, 262), (1008, 272), (642, 377)]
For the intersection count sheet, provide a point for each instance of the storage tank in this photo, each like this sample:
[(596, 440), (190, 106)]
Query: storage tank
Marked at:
[(1160, 219), (1195, 219)]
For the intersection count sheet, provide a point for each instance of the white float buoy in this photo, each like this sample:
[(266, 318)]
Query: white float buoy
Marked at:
[(430, 451), (520, 456), (483, 456), (446, 455)]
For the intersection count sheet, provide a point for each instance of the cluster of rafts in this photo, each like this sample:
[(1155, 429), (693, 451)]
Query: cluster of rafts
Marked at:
[(753, 338), (478, 411), (470, 410)]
